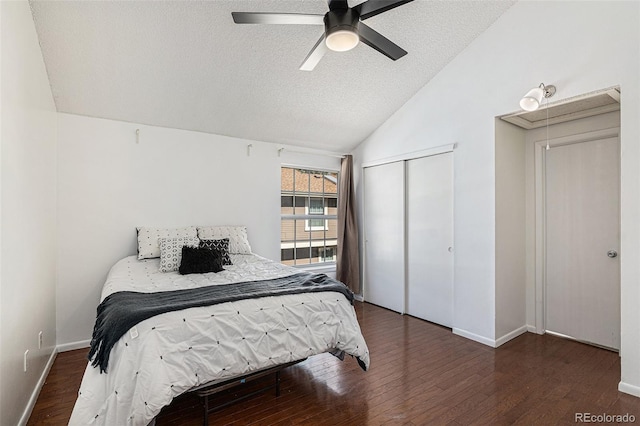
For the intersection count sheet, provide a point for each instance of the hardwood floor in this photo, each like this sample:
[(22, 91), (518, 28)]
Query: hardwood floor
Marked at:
[(420, 374)]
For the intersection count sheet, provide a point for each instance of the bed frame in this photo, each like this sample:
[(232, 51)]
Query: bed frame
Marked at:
[(211, 388)]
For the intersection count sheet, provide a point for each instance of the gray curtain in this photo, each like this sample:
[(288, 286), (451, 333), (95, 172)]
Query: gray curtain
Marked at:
[(348, 260)]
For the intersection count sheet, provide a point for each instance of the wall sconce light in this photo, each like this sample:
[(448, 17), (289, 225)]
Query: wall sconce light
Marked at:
[(532, 100)]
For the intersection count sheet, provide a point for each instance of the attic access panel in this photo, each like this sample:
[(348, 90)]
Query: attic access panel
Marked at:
[(582, 106)]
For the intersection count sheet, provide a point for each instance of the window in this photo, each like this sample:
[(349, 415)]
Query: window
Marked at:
[(308, 208), (316, 207)]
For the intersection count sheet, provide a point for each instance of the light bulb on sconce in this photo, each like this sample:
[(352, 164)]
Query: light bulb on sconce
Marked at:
[(533, 99)]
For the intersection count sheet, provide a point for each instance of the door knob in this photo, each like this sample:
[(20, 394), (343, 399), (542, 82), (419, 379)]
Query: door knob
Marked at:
[(612, 253)]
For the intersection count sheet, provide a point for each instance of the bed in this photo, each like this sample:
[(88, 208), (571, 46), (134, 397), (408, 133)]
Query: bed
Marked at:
[(174, 352)]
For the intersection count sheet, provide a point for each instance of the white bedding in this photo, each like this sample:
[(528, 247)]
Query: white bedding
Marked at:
[(167, 355)]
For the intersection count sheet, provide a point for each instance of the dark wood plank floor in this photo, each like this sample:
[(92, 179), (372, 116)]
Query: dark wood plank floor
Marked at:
[(420, 374)]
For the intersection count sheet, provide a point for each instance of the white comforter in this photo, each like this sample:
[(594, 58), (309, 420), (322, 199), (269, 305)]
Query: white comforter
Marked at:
[(167, 355)]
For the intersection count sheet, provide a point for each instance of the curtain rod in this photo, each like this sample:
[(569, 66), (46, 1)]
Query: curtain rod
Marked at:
[(310, 153)]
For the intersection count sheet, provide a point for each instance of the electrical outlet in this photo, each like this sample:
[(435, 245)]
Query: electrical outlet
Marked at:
[(26, 362), (40, 340)]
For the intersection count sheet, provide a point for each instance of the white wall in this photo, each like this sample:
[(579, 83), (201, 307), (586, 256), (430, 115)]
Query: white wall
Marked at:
[(109, 184), (578, 46), (510, 231), (28, 209)]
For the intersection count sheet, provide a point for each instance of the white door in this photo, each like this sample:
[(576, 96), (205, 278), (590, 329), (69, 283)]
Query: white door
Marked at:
[(384, 235), (430, 238), (582, 239)]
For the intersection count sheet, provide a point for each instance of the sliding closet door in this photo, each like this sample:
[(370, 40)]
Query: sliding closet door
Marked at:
[(430, 238), (384, 235)]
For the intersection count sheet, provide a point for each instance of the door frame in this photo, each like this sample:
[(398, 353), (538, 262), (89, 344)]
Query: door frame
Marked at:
[(540, 212)]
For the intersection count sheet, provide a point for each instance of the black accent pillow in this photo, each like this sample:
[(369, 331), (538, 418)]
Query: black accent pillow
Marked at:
[(198, 260), (221, 246)]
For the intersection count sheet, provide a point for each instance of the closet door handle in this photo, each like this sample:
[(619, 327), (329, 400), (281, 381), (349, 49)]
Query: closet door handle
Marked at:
[(450, 249)]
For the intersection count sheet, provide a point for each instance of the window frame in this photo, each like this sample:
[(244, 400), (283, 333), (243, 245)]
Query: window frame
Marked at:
[(307, 216)]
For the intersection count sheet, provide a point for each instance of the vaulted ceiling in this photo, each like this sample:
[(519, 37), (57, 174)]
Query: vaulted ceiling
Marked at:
[(186, 65)]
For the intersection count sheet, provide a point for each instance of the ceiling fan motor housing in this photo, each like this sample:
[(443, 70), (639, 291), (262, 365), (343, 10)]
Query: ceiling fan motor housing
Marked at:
[(341, 20)]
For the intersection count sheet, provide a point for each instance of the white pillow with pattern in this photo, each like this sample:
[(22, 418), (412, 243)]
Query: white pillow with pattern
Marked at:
[(237, 235), (148, 239), (171, 251)]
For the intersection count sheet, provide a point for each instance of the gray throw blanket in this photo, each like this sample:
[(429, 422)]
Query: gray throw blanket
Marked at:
[(120, 311)]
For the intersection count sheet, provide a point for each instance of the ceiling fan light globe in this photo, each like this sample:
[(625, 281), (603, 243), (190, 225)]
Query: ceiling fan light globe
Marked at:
[(342, 40), (532, 100)]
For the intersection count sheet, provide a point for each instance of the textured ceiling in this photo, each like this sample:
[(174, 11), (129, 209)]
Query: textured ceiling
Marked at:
[(186, 65)]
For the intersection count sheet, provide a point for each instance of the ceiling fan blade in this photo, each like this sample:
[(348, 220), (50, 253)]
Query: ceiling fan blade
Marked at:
[(338, 4), (375, 7), (277, 18), (374, 39), (314, 55)]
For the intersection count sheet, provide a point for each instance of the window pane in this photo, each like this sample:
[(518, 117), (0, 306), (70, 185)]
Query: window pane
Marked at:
[(316, 206), (332, 231), (316, 223), (303, 254), (329, 254), (286, 179), (301, 202), (317, 182), (287, 233), (315, 255), (302, 181), (331, 183), (286, 204), (307, 241), (286, 254)]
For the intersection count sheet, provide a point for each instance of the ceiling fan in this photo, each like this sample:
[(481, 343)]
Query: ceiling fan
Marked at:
[(343, 27)]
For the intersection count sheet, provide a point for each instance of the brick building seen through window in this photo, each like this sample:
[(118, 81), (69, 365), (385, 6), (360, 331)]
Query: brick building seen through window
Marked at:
[(308, 208)]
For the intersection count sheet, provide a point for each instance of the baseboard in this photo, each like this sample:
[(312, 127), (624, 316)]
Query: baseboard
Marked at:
[(36, 392), (630, 389), (358, 297), (511, 335), (474, 337), (74, 345), (532, 329)]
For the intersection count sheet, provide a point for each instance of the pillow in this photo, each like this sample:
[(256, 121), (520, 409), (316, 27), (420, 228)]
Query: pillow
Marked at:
[(200, 260), (148, 247), (221, 246), (238, 241), (171, 251)]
